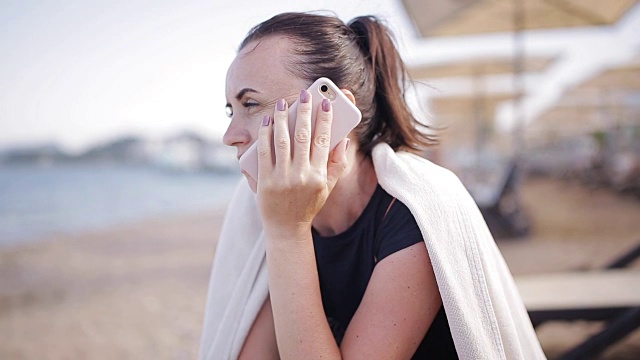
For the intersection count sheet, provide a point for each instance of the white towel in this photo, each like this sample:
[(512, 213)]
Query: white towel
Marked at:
[(486, 315)]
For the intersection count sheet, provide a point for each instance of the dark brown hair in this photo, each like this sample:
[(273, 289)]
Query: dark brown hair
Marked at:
[(361, 57)]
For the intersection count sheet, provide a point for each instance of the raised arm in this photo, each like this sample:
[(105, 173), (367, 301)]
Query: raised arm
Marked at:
[(401, 299)]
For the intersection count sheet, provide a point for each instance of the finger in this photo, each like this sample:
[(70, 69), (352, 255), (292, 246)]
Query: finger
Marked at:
[(322, 135), (281, 141), (265, 156), (302, 134), (337, 163)]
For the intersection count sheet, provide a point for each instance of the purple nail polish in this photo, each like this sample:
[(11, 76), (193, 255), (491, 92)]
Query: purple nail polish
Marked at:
[(266, 120), (305, 96), (281, 105), (326, 105)]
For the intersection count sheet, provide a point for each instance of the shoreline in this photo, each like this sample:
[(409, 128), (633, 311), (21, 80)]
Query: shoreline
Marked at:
[(66, 235)]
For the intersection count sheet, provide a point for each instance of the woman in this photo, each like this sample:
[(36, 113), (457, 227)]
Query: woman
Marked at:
[(344, 232)]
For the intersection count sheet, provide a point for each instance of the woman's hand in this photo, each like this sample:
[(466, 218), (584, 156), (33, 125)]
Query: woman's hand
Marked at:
[(296, 176)]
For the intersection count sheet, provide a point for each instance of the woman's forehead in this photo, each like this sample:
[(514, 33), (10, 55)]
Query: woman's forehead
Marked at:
[(261, 65)]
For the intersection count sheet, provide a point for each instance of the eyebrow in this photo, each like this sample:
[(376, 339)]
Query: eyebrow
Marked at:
[(244, 91)]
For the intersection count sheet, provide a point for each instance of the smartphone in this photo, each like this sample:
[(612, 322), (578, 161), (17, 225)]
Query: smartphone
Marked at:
[(346, 117)]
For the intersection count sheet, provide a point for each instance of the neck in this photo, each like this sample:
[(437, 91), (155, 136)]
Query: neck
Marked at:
[(349, 197)]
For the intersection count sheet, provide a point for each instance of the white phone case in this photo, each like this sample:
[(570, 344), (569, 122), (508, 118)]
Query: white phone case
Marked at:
[(346, 117)]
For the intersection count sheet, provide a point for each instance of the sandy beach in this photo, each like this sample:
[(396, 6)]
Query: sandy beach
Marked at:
[(138, 291)]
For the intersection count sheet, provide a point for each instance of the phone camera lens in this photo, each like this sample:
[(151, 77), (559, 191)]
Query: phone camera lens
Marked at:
[(324, 88)]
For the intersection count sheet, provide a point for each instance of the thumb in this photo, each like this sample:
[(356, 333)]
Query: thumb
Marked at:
[(337, 162)]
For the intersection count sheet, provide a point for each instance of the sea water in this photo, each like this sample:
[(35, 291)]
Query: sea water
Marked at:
[(36, 202)]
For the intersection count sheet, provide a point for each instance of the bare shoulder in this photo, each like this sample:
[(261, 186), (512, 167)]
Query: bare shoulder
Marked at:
[(399, 305)]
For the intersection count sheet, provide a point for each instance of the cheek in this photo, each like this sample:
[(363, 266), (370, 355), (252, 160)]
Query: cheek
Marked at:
[(254, 128), (253, 125)]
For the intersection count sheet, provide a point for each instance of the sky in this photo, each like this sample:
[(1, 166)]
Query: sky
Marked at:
[(80, 72)]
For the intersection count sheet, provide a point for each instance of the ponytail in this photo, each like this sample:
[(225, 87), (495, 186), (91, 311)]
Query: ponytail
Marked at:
[(392, 121), (360, 57)]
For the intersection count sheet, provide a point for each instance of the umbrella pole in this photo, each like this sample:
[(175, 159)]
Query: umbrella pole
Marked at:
[(518, 146), (518, 81), (478, 116)]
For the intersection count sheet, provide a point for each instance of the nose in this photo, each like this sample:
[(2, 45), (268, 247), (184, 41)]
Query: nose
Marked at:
[(236, 135)]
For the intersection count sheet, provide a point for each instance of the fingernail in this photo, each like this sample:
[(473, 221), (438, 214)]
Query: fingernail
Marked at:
[(282, 105), (326, 105), (346, 147), (266, 120), (305, 96)]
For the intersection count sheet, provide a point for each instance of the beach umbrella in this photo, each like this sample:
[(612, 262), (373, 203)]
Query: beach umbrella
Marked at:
[(624, 77), (467, 121), (468, 118), (484, 66), (604, 101), (468, 17), (563, 121), (603, 114)]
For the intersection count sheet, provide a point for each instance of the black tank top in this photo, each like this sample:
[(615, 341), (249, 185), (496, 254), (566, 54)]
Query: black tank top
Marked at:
[(346, 262)]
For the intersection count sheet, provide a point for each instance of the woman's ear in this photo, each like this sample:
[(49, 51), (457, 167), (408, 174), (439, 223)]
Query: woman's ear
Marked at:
[(349, 95)]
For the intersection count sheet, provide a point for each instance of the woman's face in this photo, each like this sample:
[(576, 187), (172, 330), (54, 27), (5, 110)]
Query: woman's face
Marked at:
[(256, 79)]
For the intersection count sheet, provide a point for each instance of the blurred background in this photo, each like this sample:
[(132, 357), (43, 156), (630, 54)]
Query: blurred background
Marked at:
[(113, 177)]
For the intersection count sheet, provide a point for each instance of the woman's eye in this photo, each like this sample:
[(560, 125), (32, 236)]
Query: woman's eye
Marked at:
[(229, 110), (250, 104), (252, 107)]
